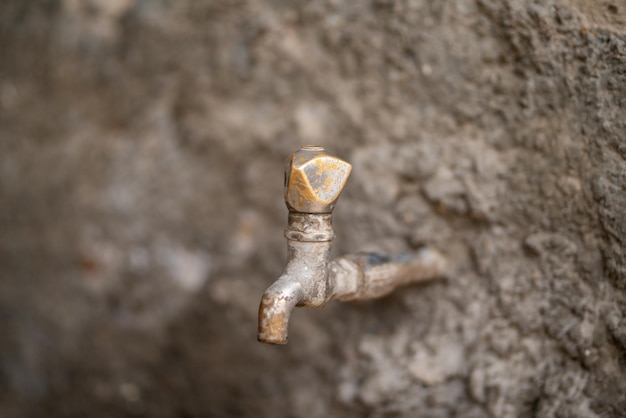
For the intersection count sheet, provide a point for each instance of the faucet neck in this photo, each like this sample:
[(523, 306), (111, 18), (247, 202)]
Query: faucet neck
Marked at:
[(309, 227)]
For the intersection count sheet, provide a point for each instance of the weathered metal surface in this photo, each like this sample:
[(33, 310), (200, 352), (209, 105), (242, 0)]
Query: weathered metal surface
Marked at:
[(372, 275), (314, 180), (307, 227), (305, 282), (313, 183), (276, 306)]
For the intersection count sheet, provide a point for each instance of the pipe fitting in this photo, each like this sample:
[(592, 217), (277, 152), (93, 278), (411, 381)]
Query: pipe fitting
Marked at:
[(314, 181)]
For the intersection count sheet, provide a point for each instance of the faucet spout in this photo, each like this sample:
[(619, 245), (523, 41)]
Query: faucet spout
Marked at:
[(276, 305), (306, 280)]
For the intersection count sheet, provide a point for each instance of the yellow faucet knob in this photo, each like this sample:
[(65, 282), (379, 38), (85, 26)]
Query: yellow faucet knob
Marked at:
[(314, 180)]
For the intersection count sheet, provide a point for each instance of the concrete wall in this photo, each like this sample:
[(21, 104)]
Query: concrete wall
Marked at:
[(141, 214)]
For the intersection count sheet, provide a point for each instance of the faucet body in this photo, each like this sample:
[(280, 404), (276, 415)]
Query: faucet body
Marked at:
[(306, 279), (313, 183)]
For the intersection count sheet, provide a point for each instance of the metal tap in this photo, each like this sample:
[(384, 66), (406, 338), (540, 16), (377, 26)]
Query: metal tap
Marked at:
[(313, 182)]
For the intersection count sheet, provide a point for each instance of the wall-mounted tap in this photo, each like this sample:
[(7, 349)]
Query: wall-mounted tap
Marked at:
[(313, 182)]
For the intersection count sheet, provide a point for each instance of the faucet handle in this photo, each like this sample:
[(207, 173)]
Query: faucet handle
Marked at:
[(314, 180)]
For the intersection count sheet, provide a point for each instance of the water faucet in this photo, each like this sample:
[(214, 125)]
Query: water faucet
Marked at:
[(313, 182)]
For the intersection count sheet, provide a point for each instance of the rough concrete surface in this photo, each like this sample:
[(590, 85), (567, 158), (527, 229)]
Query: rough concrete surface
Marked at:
[(141, 164)]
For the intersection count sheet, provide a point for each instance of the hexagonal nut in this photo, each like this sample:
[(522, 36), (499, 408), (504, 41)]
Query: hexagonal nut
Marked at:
[(314, 180)]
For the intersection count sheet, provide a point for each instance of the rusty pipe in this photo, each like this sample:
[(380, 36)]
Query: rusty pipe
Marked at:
[(372, 275), (313, 182)]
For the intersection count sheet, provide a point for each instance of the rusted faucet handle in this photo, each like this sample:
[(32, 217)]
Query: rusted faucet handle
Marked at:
[(314, 180)]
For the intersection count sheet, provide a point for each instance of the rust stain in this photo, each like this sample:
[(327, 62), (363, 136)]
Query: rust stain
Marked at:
[(326, 164), (275, 326), (89, 264), (328, 184), (298, 181), (272, 327)]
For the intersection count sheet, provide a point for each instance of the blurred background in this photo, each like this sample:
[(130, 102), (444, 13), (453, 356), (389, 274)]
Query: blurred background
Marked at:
[(142, 149)]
